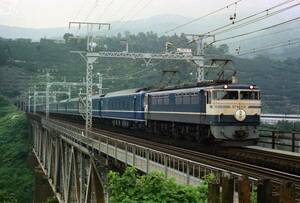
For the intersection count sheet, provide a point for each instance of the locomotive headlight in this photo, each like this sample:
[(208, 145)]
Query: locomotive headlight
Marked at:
[(251, 87), (225, 86), (240, 115)]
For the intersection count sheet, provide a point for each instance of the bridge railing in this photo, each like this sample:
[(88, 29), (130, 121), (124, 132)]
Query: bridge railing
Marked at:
[(145, 159), (275, 139)]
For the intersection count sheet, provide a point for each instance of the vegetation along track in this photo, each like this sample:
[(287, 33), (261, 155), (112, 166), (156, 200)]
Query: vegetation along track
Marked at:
[(238, 166)]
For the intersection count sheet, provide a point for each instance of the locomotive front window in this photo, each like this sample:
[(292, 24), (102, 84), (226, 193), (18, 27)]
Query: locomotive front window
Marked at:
[(249, 95), (225, 95)]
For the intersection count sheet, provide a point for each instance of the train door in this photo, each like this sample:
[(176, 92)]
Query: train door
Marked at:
[(146, 106), (203, 99), (100, 103)]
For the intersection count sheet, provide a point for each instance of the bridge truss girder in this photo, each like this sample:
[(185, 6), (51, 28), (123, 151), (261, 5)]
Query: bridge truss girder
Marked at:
[(71, 172)]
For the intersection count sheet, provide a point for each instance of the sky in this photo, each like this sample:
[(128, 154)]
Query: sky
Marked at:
[(57, 13)]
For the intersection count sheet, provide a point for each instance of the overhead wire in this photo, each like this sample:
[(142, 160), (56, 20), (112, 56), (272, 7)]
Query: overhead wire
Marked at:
[(91, 10), (125, 15), (119, 9), (258, 30), (256, 19), (268, 34), (136, 13), (140, 10), (291, 42), (106, 8), (254, 15), (204, 16), (79, 10)]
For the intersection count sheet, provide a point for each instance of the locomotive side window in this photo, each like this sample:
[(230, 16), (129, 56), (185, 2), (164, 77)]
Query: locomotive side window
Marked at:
[(178, 99), (195, 98), (160, 100), (225, 95), (166, 100), (186, 98), (249, 95)]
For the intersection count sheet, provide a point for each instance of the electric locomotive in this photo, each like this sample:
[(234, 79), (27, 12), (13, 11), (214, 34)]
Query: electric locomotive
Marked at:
[(229, 112)]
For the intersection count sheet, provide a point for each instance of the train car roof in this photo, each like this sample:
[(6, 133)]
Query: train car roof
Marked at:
[(196, 89), (183, 90), (67, 100), (125, 92), (235, 86)]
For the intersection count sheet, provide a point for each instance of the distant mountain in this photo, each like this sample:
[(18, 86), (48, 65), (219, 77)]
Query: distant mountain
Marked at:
[(32, 33), (162, 23), (158, 24)]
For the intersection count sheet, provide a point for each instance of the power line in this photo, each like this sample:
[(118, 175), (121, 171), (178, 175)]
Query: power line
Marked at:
[(274, 46), (91, 10), (257, 19), (136, 13), (79, 10), (259, 30), (105, 9), (268, 34), (119, 8), (254, 15), (129, 11), (204, 16)]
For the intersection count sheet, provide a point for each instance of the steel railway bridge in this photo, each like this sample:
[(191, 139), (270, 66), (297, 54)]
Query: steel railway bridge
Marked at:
[(76, 165)]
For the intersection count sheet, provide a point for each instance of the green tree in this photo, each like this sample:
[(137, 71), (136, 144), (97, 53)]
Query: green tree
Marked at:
[(152, 188), (67, 37), (16, 178), (7, 197)]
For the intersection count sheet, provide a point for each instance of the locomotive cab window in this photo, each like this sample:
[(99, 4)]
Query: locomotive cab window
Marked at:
[(225, 95), (249, 95)]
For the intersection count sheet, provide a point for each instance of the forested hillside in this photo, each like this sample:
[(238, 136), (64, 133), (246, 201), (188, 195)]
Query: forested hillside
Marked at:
[(16, 178), (279, 80)]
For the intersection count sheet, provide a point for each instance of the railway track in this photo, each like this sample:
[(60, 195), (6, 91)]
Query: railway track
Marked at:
[(249, 168), (275, 159)]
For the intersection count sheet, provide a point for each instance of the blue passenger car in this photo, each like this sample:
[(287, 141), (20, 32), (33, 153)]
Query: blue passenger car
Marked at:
[(53, 107), (123, 105), (62, 107), (183, 105), (73, 106)]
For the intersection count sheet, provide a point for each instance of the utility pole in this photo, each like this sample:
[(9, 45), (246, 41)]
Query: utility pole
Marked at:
[(28, 106), (34, 100), (69, 94), (199, 40), (90, 59), (47, 94)]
